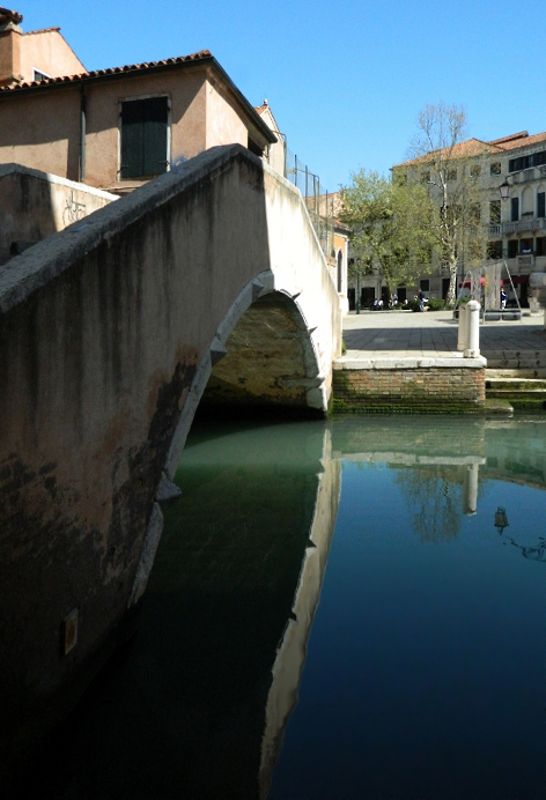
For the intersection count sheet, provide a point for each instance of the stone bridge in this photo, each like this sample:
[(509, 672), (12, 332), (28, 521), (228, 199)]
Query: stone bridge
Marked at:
[(207, 285)]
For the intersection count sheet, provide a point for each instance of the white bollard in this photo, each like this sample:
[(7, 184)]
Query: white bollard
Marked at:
[(462, 338), (473, 326)]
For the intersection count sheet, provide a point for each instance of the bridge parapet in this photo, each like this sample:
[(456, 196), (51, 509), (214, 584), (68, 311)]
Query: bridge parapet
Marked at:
[(109, 334)]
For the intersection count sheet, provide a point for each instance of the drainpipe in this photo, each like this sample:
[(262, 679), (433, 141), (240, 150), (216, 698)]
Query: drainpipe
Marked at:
[(83, 121)]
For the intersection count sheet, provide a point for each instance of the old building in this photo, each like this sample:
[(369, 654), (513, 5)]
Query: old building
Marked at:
[(511, 175), (33, 56), (114, 128)]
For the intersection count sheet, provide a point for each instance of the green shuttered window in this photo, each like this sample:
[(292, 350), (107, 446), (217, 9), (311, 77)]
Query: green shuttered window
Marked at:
[(144, 137)]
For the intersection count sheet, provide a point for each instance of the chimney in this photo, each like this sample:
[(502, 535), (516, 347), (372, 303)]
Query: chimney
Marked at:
[(10, 47)]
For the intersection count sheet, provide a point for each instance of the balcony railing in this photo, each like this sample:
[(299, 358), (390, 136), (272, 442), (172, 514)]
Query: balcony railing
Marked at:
[(530, 224), (526, 261)]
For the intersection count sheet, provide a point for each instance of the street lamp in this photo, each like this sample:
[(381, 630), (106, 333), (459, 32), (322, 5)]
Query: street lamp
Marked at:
[(504, 189)]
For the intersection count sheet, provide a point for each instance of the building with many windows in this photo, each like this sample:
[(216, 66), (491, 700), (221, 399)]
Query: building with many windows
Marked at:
[(511, 175)]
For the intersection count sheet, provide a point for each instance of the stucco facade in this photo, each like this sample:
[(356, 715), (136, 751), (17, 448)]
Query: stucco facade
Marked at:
[(34, 205), (57, 117), (26, 57), (72, 127), (514, 227), (277, 151)]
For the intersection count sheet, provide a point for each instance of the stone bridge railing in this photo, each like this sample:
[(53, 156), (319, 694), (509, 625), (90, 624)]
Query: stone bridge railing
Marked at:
[(206, 285)]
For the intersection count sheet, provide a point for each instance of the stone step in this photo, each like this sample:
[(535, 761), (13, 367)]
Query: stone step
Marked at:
[(516, 389), (517, 384), (507, 314), (513, 359), (514, 373)]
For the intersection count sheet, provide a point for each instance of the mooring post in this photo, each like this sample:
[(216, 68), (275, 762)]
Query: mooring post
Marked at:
[(473, 326), (462, 338)]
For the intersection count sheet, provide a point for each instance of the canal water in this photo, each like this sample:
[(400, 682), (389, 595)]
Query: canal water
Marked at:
[(338, 611)]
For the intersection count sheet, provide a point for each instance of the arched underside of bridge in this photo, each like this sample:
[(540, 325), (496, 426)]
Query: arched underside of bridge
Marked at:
[(207, 284), (269, 362)]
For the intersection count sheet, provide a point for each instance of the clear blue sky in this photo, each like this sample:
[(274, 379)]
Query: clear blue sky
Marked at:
[(345, 80)]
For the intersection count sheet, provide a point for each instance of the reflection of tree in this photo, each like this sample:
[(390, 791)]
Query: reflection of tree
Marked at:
[(537, 553), (433, 495)]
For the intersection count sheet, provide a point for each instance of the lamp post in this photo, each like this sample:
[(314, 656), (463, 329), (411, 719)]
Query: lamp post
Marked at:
[(504, 189), (357, 298)]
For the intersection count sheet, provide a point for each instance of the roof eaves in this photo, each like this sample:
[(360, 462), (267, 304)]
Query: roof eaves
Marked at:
[(200, 58), (108, 73), (41, 30)]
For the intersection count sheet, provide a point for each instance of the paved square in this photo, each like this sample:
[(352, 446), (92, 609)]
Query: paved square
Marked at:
[(433, 334)]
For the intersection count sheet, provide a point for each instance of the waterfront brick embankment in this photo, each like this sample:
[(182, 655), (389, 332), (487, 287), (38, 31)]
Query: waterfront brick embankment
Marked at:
[(409, 363)]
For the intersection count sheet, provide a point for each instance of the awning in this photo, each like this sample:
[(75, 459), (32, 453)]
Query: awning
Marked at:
[(468, 284), (516, 280)]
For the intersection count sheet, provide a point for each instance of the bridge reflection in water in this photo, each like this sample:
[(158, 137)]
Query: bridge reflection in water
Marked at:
[(198, 705)]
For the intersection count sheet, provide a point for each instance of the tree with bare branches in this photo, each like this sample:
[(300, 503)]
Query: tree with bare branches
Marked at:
[(449, 165)]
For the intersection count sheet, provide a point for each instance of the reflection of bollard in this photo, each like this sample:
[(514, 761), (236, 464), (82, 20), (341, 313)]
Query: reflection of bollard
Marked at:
[(470, 489), (472, 349), (463, 333)]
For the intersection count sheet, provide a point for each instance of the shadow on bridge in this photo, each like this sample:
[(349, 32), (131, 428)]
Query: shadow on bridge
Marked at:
[(110, 333)]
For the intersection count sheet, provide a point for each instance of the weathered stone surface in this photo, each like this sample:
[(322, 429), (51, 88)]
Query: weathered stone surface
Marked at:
[(108, 333)]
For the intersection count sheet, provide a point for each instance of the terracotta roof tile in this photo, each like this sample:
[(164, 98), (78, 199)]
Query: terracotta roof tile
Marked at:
[(42, 30), (202, 54), (473, 147), (520, 135), (524, 142)]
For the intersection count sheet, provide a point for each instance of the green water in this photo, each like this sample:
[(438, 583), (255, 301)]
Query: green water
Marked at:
[(337, 611)]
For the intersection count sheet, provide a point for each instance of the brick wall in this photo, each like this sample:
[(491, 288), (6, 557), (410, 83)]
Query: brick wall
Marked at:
[(418, 390)]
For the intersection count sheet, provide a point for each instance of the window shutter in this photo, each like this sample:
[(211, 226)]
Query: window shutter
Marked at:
[(144, 137), (155, 136)]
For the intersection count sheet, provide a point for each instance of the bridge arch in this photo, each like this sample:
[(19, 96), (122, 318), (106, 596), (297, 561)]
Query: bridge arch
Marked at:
[(109, 333), (263, 356)]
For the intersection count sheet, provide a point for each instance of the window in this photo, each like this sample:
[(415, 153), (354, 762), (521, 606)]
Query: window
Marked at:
[(541, 204), (40, 76), (526, 246), (452, 174), (514, 209), (495, 168), (524, 162), (494, 250), (494, 212), (425, 177), (516, 164), (144, 128), (512, 248), (540, 246), (424, 285), (475, 170)]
